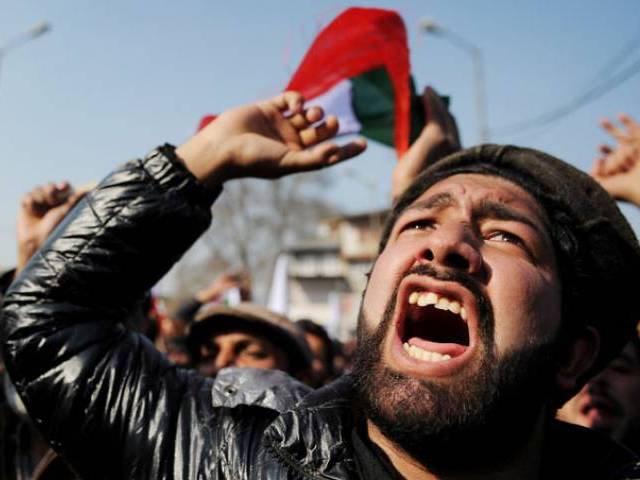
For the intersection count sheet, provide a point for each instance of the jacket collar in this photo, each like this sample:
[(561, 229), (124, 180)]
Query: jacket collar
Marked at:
[(314, 438)]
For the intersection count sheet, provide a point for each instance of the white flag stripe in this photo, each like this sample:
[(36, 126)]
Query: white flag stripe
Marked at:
[(337, 101)]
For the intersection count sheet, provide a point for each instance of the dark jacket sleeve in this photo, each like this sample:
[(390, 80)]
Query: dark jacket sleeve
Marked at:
[(102, 395)]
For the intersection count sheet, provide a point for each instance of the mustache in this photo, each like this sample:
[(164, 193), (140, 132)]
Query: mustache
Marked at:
[(485, 307)]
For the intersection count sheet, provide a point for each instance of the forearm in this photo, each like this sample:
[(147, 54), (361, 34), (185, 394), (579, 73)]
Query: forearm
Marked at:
[(423, 152), (25, 251)]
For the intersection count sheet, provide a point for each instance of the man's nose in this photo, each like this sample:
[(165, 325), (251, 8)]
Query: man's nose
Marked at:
[(225, 358), (454, 247)]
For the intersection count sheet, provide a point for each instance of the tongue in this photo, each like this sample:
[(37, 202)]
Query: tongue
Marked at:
[(453, 349)]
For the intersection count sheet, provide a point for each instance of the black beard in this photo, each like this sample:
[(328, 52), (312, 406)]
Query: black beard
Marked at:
[(476, 419)]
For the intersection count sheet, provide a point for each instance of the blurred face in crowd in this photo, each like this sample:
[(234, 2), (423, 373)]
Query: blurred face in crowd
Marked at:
[(461, 310), (319, 372), (239, 349), (611, 399), (177, 351)]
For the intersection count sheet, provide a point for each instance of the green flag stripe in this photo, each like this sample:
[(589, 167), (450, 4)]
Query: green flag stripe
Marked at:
[(373, 104)]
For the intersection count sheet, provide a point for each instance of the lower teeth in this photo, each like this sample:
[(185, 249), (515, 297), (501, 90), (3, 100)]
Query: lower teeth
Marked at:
[(424, 355)]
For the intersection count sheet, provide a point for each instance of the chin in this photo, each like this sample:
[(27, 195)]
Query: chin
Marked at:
[(434, 408)]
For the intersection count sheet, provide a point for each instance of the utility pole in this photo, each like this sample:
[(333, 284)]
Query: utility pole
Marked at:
[(433, 28)]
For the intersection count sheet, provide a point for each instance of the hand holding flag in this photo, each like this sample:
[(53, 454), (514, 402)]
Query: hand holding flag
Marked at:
[(267, 139), (358, 69)]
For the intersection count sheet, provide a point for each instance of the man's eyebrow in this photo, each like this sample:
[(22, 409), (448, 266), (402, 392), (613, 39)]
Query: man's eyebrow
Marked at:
[(500, 211), (436, 201), (487, 209)]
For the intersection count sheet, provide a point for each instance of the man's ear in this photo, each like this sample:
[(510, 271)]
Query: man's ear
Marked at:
[(578, 356)]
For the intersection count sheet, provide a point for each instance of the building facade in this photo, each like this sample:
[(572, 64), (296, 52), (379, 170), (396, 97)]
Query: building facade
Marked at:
[(323, 278)]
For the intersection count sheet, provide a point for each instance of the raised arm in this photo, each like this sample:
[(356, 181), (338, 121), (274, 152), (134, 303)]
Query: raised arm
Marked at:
[(269, 139), (104, 398), (40, 211), (617, 168), (439, 137)]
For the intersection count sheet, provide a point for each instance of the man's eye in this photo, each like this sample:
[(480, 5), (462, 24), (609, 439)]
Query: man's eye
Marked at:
[(257, 354), (208, 350), (506, 237), (419, 225)]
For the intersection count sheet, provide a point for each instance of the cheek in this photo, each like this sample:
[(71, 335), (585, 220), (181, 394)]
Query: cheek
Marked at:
[(526, 303), (269, 362), (372, 302), (386, 274)]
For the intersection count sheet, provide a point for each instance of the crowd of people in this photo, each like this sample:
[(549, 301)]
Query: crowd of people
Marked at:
[(497, 336)]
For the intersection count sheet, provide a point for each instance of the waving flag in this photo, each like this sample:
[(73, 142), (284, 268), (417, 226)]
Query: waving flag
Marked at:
[(358, 69)]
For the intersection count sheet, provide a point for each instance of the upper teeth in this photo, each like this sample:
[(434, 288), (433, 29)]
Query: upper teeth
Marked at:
[(422, 299)]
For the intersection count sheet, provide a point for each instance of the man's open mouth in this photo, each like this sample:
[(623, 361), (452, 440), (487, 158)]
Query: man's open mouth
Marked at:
[(434, 326)]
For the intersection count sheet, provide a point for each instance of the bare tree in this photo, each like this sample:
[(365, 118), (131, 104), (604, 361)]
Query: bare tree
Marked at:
[(253, 221)]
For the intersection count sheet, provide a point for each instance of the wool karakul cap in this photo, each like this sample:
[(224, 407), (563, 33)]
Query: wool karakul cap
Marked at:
[(253, 318), (598, 253)]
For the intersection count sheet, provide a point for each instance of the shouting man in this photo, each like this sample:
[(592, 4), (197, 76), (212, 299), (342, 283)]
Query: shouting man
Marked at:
[(504, 282)]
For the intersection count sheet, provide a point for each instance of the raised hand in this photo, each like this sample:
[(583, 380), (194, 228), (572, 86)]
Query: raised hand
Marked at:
[(40, 211), (438, 138), (617, 168), (267, 139), (228, 280)]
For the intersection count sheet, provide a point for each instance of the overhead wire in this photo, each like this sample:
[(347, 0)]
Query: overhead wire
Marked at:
[(604, 86), (618, 59)]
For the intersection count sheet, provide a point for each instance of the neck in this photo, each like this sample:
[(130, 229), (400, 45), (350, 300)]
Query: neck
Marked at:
[(524, 464)]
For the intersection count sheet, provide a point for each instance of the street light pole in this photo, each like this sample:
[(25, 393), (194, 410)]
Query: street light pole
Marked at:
[(429, 26), (35, 31)]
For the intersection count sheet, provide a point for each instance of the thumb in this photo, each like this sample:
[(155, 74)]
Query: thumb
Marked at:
[(323, 155)]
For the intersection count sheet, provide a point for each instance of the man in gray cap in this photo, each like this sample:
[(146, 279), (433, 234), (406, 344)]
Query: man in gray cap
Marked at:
[(246, 335), (503, 283)]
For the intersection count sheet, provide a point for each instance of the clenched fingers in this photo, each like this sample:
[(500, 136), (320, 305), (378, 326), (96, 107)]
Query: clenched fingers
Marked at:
[(319, 133), (307, 117), (288, 102), (41, 199)]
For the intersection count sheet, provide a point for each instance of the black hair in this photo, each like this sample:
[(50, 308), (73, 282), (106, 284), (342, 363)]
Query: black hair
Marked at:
[(309, 326)]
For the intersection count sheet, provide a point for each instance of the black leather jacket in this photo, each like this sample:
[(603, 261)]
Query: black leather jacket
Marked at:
[(110, 404)]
